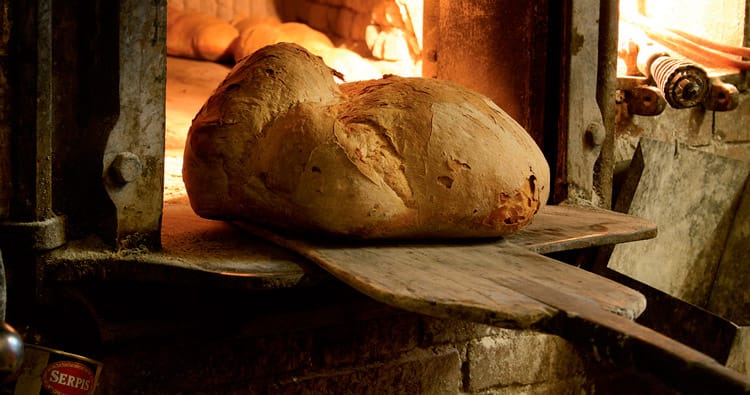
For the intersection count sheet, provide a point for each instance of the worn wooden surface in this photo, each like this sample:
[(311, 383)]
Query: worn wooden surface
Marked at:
[(692, 196), (219, 247), (500, 283), (192, 243), (561, 228), (493, 282)]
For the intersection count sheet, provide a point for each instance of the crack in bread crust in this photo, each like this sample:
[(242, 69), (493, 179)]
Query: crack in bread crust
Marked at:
[(368, 147)]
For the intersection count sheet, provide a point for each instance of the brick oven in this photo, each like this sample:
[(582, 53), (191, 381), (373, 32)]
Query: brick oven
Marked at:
[(105, 259)]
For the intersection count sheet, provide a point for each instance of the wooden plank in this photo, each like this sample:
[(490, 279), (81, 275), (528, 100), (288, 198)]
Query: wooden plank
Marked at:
[(460, 280), (500, 283), (218, 247), (561, 227)]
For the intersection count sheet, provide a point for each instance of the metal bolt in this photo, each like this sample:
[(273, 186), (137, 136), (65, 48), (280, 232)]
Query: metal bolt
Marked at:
[(645, 100), (595, 134), (722, 97), (126, 167)]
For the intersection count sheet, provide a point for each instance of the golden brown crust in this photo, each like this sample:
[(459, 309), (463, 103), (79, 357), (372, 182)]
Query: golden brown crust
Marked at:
[(198, 35), (280, 144), (256, 34)]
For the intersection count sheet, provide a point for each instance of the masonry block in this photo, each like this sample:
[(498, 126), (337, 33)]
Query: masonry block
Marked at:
[(154, 367), (362, 5), (335, 3), (521, 358), (576, 385), (318, 16), (363, 342), (439, 331), (417, 372), (343, 25), (692, 126)]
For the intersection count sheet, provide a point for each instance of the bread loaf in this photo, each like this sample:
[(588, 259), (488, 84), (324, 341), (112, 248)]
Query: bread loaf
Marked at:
[(281, 145), (254, 35), (197, 35)]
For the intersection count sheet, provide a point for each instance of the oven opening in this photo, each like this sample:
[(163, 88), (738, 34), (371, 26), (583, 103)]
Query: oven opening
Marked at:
[(359, 39)]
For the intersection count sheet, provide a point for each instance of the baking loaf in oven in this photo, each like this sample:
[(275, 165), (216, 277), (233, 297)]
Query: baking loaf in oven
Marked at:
[(255, 35), (197, 35), (280, 144)]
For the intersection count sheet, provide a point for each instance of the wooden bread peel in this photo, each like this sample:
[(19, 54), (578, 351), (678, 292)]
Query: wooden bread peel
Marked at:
[(498, 282)]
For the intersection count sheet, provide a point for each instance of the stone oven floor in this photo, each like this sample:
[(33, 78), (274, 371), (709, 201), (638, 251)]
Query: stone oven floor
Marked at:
[(189, 84)]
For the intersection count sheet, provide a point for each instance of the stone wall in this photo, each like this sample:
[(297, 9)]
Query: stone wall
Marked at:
[(332, 340), (227, 9)]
